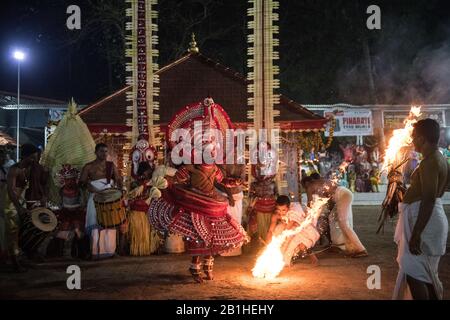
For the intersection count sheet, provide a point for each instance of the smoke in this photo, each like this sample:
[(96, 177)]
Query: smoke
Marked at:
[(409, 65), (433, 67)]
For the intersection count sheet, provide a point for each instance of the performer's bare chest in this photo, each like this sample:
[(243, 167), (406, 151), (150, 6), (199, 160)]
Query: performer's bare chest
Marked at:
[(97, 171)]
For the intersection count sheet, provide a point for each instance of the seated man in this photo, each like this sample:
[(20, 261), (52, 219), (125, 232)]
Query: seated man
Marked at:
[(289, 216)]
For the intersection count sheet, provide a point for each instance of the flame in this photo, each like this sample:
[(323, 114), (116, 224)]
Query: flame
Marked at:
[(270, 263), (415, 111), (400, 138)]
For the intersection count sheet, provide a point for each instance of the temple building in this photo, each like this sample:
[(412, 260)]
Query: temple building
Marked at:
[(190, 79)]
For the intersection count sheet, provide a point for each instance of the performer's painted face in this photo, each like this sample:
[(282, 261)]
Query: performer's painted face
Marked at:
[(142, 153)]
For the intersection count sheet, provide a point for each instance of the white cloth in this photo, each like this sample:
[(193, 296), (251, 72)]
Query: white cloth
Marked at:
[(296, 212), (236, 212), (103, 241), (423, 267), (341, 222), (91, 212), (308, 236)]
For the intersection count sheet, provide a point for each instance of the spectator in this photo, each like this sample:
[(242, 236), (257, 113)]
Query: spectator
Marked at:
[(375, 180), (352, 180), (360, 185), (447, 154)]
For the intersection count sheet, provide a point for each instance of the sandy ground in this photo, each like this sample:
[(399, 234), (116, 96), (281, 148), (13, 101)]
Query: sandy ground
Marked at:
[(166, 277)]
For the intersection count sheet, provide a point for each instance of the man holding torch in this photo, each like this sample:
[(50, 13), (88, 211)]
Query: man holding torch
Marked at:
[(422, 229)]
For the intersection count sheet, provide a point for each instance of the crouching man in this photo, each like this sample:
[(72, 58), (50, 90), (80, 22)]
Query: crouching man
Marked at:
[(289, 216)]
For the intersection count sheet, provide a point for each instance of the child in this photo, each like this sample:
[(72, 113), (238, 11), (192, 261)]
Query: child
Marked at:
[(374, 180)]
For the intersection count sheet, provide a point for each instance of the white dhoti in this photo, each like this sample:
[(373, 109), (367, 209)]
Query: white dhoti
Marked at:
[(236, 212), (91, 212), (308, 236), (103, 241), (423, 267), (341, 222)]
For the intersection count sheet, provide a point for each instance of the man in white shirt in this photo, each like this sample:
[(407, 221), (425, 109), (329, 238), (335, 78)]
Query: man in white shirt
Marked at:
[(289, 216)]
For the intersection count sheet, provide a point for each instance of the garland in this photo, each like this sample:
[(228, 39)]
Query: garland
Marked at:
[(309, 141)]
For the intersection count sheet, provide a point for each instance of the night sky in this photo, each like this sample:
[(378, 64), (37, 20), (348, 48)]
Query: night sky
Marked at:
[(322, 47)]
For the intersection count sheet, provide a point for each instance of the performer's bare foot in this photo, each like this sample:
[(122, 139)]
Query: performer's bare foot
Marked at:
[(195, 269), (360, 254), (196, 275), (209, 275), (314, 260)]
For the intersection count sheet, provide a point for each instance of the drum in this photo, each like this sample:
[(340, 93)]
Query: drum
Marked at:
[(174, 244), (36, 227), (110, 210)]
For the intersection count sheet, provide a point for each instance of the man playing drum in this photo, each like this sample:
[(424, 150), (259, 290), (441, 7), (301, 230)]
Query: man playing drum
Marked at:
[(97, 176), (17, 183), (37, 191)]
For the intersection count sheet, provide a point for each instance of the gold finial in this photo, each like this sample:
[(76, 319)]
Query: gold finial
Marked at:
[(72, 108), (193, 44)]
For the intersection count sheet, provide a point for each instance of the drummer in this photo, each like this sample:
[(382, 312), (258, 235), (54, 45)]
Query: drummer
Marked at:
[(17, 182), (97, 176), (37, 191)]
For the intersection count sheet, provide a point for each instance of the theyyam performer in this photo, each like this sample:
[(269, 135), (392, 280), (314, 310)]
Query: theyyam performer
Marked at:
[(191, 206), (148, 181), (263, 192)]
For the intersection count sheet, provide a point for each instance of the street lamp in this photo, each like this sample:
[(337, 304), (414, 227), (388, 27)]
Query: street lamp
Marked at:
[(19, 56)]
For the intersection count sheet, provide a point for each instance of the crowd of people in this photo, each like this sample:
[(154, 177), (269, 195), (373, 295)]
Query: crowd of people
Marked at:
[(354, 167), (203, 204), (100, 216)]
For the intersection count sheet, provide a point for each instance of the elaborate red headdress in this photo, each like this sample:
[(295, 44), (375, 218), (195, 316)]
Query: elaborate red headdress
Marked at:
[(67, 172), (211, 115)]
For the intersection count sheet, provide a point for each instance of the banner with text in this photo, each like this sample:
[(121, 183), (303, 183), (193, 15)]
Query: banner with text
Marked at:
[(351, 122), (395, 119)]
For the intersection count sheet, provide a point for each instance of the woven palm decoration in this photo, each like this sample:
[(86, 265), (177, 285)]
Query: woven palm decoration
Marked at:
[(141, 41), (262, 75), (71, 143)]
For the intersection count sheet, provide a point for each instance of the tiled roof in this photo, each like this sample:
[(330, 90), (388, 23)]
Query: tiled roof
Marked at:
[(8, 98), (190, 79)]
